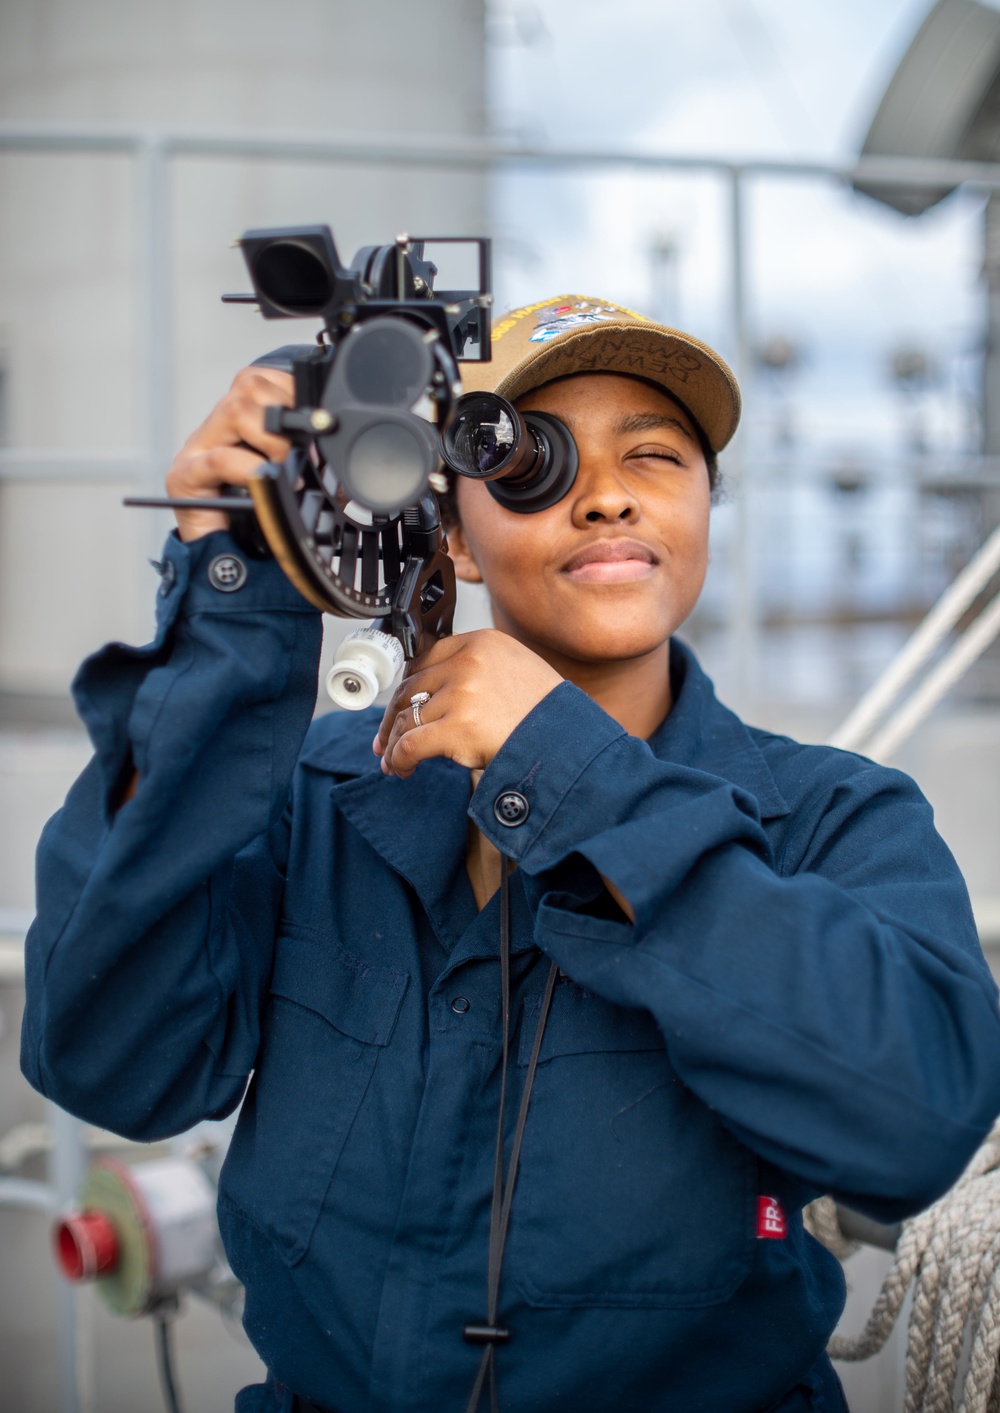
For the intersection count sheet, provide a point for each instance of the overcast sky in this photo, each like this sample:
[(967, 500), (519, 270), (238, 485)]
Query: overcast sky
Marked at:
[(847, 280), (796, 77)]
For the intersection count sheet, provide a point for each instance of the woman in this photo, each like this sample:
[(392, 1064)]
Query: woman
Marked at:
[(733, 972)]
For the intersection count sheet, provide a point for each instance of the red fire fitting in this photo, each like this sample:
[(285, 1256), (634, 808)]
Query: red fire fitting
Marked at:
[(86, 1245)]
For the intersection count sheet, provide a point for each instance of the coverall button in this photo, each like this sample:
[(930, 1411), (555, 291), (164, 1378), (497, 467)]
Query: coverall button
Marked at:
[(227, 573), (511, 808), (460, 1005)]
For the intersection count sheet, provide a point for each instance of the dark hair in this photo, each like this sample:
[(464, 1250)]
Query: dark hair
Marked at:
[(711, 457), (448, 500)]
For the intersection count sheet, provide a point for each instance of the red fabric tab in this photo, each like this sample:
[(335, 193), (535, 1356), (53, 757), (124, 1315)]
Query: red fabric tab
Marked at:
[(770, 1219)]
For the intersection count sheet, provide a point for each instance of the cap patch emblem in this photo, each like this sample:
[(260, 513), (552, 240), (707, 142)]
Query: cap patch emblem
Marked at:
[(557, 319)]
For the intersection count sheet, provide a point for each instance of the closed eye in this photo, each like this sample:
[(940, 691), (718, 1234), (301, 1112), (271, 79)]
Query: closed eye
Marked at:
[(657, 453)]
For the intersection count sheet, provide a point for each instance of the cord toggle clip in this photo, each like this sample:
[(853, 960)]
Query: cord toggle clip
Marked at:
[(485, 1334)]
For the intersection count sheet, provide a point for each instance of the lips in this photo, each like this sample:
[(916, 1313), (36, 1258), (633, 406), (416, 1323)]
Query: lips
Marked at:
[(617, 551)]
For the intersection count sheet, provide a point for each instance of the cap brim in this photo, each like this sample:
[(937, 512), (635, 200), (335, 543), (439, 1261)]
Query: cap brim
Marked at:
[(683, 366)]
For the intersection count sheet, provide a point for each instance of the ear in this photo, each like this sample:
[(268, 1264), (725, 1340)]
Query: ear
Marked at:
[(460, 553)]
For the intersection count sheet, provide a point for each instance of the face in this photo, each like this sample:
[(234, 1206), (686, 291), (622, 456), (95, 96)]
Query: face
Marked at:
[(613, 569)]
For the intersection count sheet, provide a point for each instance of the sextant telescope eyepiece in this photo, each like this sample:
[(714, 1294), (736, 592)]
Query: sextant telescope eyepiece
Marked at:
[(487, 438), (529, 460)]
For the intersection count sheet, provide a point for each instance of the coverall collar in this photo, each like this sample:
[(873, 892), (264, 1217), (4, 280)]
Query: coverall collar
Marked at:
[(422, 835), (702, 733)]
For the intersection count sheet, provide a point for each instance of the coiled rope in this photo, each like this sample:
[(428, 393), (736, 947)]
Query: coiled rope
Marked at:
[(951, 1255)]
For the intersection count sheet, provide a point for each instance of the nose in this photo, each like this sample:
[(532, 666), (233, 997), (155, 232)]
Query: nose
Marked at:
[(601, 495)]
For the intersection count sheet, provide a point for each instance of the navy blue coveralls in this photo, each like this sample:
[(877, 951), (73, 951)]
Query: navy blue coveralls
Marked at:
[(801, 1007)]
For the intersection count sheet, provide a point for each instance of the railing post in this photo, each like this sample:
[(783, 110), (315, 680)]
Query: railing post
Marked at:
[(154, 326), (154, 330), (74, 1338), (744, 644)]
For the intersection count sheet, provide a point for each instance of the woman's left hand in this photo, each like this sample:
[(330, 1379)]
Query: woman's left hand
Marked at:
[(481, 686)]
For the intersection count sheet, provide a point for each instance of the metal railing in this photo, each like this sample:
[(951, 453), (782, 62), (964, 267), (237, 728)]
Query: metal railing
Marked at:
[(154, 149), (882, 720)]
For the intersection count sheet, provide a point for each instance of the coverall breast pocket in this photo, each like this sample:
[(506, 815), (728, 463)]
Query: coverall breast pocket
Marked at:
[(631, 1192), (329, 1016)]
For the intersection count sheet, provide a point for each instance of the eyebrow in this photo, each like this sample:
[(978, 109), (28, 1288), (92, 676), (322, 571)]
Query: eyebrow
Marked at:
[(650, 422)]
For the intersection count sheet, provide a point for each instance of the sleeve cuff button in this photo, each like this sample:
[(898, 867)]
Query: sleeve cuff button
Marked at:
[(227, 573), (511, 809)]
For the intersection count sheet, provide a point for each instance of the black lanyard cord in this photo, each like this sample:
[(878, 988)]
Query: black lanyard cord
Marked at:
[(491, 1333)]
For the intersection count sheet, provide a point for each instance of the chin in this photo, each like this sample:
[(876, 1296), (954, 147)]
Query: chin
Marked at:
[(609, 644), (620, 635)]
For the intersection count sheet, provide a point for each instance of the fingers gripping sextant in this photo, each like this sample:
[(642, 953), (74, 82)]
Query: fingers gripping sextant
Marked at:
[(351, 514)]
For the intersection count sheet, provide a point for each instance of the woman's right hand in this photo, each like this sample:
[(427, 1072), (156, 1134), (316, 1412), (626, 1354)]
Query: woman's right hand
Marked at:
[(228, 447)]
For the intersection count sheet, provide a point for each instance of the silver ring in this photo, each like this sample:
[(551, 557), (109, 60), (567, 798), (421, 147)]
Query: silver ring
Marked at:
[(418, 700)]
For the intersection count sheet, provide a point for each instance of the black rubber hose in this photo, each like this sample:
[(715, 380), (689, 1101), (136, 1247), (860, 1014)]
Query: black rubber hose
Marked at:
[(165, 1363)]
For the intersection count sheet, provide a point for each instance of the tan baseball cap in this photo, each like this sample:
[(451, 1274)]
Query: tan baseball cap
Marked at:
[(576, 333)]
